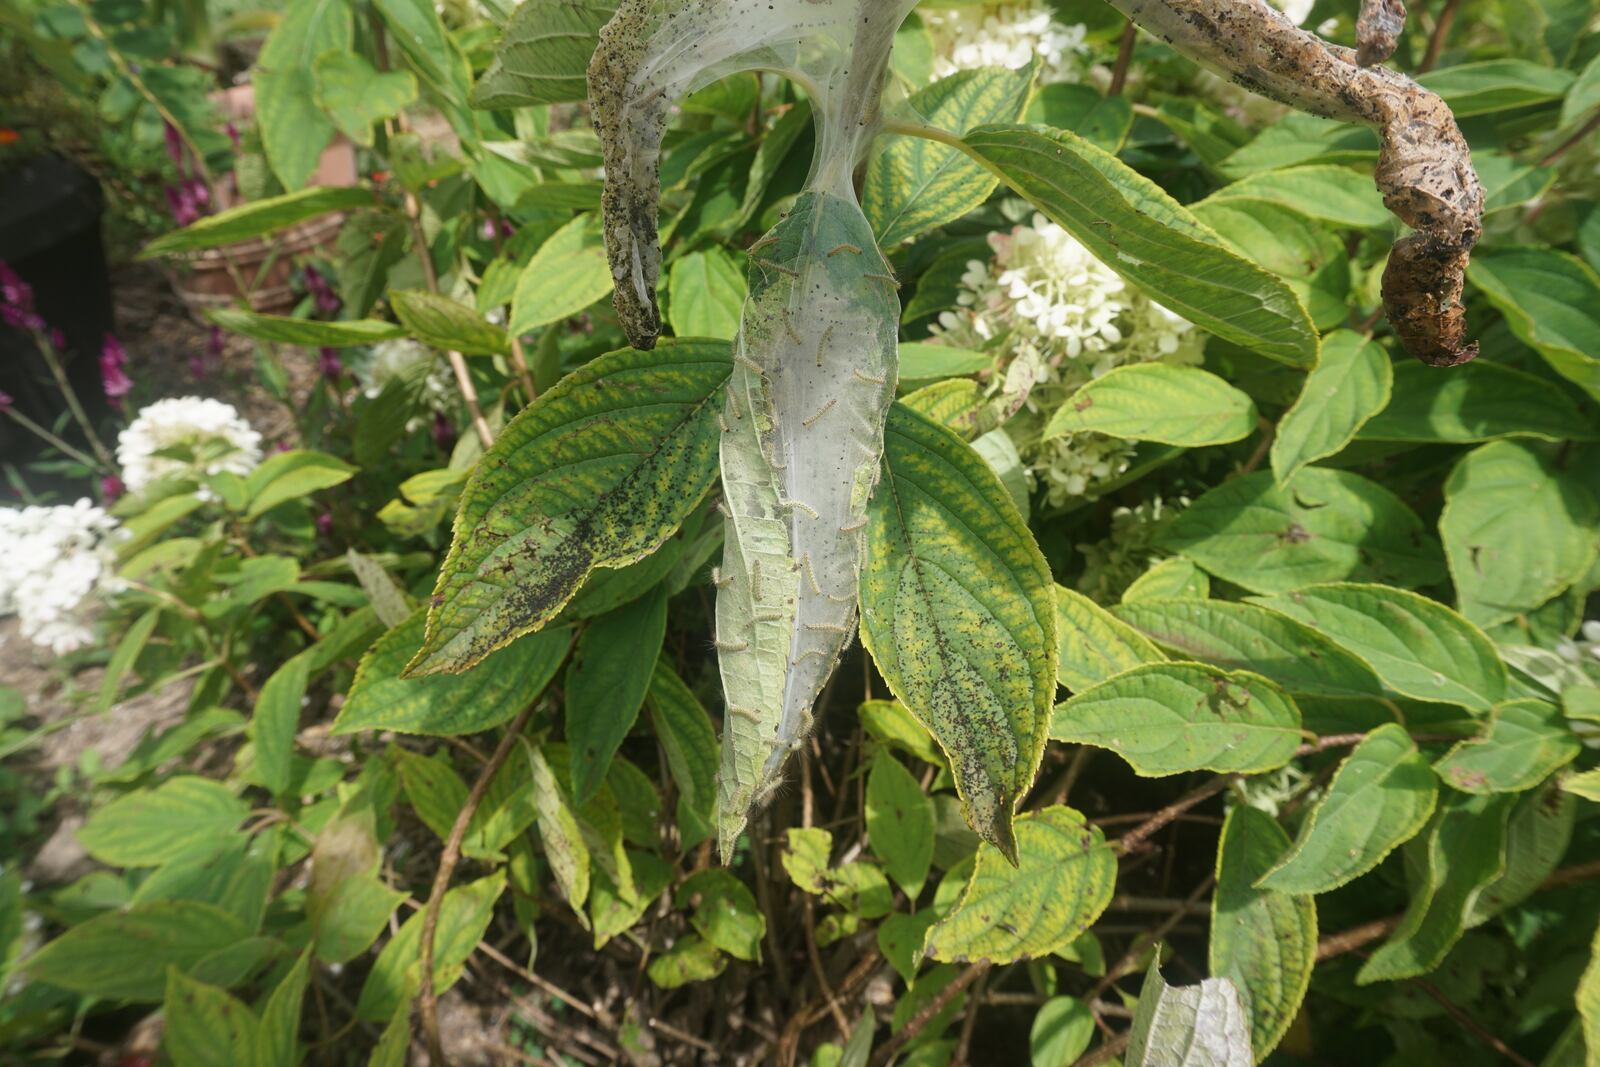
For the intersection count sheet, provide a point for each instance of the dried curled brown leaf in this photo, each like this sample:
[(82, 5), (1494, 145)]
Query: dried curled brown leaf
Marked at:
[(1424, 166), (1378, 30)]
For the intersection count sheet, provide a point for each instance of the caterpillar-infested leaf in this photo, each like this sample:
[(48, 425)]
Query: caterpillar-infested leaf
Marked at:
[(597, 472), (959, 612)]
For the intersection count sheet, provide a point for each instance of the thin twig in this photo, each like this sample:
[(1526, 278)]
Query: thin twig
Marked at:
[(427, 998), (1107, 1051), (1131, 840), (1577, 138), (969, 1023), (1119, 72), (519, 362), (1441, 30), (1130, 959), (1470, 1024)]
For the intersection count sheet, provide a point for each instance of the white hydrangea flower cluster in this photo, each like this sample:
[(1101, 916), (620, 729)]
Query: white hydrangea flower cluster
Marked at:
[(1110, 566), (1057, 317), (408, 359), (1006, 35), (209, 436), (57, 560)]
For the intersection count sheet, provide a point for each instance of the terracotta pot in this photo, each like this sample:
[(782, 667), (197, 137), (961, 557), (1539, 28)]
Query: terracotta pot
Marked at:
[(266, 266)]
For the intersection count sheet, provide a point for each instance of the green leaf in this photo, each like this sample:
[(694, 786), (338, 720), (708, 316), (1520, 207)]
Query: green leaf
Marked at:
[(1173, 578), (294, 130), (597, 472), (606, 683), (1527, 740), (259, 217), (1168, 718), (293, 475), (479, 698), (1134, 227), (1496, 85), (391, 604), (1262, 939), (355, 912), (1103, 121), (1536, 840), (613, 912), (396, 975), (1417, 646), (277, 721), (566, 275), (913, 184), (1061, 1030), (1381, 796), (690, 742), (706, 294), (1551, 301), (1588, 997), (205, 1026), (1060, 885), (725, 912), (1298, 139), (1474, 402), (280, 1018), (1094, 643), (562, 838), (1203, 1025), (1158, 402), (415, 26), (1308, 256), (956, 609), (1351, 384), (1336, 195), (395, 1041), (357, 97), (281, 329), (543, 54), (1584, 96), (125, 655), (433, 788), (443, 323), (930, 362), (889, 721), (899, 823), (1518, 529), (690, 959), (1239, 636), (1462, 852), (184, 814), (1322, 526), (125, 955)]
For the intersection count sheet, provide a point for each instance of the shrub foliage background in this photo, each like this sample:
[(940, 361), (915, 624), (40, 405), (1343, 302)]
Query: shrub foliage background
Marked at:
[(1316, 612)]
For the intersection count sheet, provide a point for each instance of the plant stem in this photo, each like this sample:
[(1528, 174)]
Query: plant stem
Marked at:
[(458, 363), (51, 439), (929, 1011), (59, 373), (1119, 72), (427, 998), (1441, 30)]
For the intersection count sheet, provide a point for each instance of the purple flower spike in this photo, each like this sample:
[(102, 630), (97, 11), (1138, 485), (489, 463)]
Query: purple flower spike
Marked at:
[(174, 146), (325, 523), (111, 488), (5, 401), (322, 293), (444, 434), (328, 362)]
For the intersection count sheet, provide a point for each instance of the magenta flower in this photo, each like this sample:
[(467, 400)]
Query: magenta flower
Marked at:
[(328, 362), (325, 523), (174, 146), (444, 434), (113, 371), (111, 488), (322, 293), (5, 401), (16, 300)]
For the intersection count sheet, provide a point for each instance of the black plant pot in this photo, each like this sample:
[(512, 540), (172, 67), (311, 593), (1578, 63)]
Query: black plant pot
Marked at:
[(50, 235)]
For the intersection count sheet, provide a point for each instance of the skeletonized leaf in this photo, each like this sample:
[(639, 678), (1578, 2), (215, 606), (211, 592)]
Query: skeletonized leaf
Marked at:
[(1462, 852), (1526, 741), (1203, 1025), (1169, 718), (1381, 796), (597, 472), (958, 612), (1158, 402), (1094, 643), (1350, 384), (1417, 646), (1264, 940), (1061, 884)]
